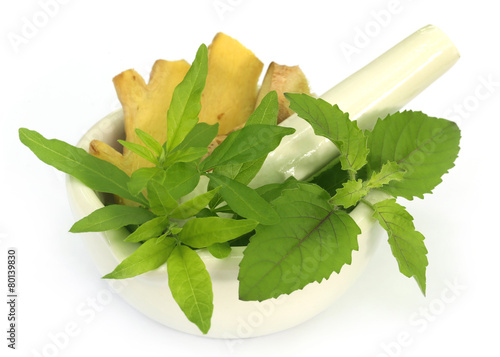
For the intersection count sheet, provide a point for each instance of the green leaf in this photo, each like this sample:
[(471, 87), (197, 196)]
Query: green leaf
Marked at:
[(424, 146), (193, 206), (331, 177), (272, 191), (353, 191), (160, 200), (150, 229), (185, 105), (203, 232), (199, 137), (149, 141), (350, 193), (180, 179), (149, 256), (111, 217), (389, 172), (407, 245), (220, 250), (245, 201), (329, 121), (311, 241), (95, 173), (190, 154), (265, 113), (246, 144), (191, 286), (140, 178), (140, 150)]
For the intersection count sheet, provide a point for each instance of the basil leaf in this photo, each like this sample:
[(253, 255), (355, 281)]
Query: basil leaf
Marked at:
[(350, 193), (185, 105), (150, 229), (111, 217), (331, 178), (149, 256), (246, 144), (95, 173), (424, 146), (191, 286), (407, 245), (220, 250), (311, 242), (245, 201), (389, 172), (160, 200), (329, 121), (203, 232), (193, 206)]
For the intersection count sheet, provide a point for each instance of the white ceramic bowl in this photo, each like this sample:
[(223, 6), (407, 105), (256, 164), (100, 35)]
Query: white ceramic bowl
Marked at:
[(232, 318)]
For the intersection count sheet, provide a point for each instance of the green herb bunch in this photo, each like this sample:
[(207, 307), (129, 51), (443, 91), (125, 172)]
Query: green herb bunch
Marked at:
[(284, 225)]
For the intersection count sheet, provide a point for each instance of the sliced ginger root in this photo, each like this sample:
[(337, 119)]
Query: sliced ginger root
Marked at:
[(283, 79), (145, 107), (231, 88)]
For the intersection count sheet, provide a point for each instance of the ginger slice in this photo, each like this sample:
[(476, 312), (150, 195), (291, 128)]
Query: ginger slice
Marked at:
[(145, 107), (283, 79), (231, 87)]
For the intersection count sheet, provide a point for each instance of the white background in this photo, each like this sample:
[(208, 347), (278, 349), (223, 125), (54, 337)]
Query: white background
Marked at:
[(56, 79)]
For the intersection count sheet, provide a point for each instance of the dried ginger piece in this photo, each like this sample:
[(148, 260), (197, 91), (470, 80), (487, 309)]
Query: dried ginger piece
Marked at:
[(283, 79), (231, 88), (145, 107)]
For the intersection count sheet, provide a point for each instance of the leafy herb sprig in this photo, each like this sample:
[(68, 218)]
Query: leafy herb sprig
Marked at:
[(300, 232)]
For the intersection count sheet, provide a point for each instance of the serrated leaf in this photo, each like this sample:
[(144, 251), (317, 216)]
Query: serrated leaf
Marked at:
[(95, 173), (140, 178), (191, 286), (220, 250), (203, 232), (407, 245), (160, 200), (329, 121), (112, 217), (185, 105), (389, 172), (193, 206), (140, 150), (350, 193), (246, 144), (331, 178), (244, 200), (149, 141), (150, 229), (424, 146), (149, 256), (311, 242)]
